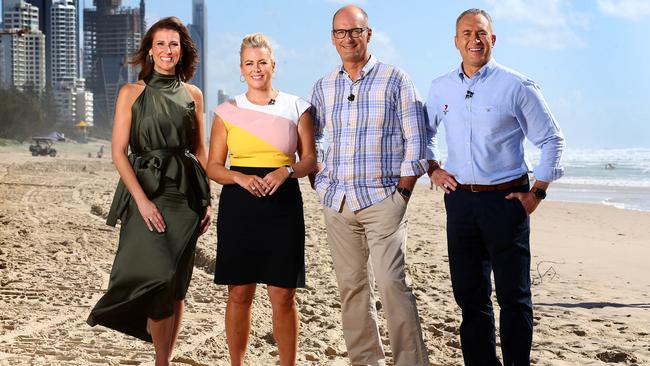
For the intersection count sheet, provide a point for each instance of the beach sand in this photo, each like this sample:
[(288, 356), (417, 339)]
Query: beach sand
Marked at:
[(591, 281)]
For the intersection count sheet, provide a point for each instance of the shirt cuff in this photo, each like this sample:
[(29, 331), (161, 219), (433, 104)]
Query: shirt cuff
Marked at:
[(432, 154), (546, 174), (320, 153), (414, 168)]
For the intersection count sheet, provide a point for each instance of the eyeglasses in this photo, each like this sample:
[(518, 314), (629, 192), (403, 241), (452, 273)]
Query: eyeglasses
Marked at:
[(354, 32)]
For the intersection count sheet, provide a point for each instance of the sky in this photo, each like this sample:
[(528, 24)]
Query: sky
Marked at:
[(590, 58)]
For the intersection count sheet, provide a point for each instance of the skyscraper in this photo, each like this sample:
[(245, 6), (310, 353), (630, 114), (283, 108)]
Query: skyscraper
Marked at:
[(112, 33), (199, 33), (63, 59), (43, 13), (22, 47), (63, 44)]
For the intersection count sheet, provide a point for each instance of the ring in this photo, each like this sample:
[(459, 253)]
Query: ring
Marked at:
[(150, 219), (253, 187)]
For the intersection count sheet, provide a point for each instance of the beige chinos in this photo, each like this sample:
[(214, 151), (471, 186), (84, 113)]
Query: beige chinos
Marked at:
[(378, 231)]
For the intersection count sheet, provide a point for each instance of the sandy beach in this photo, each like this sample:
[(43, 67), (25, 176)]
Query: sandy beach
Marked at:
[(589, 268)]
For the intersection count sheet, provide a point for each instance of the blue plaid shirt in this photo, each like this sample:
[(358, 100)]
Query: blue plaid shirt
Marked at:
[(372, 140)]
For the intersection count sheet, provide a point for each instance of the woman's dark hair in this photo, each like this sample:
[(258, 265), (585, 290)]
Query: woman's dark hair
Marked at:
[(186, 65)]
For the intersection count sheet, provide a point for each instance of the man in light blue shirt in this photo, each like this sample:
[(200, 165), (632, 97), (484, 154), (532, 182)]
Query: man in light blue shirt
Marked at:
[(488, 111)]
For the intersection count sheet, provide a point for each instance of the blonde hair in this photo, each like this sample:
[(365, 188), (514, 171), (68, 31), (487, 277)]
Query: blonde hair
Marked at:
[(255, 40)]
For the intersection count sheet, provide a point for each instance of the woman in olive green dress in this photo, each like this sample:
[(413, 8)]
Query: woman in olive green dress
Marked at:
[(163, 196)]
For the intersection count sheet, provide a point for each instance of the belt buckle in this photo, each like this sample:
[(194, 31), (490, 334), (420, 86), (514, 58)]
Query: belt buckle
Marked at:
[(471, 188)]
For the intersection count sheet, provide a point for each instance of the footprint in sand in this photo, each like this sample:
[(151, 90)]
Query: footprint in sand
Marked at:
[(616, 356)]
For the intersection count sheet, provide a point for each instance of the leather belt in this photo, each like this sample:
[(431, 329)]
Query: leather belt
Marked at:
[(495, 187)]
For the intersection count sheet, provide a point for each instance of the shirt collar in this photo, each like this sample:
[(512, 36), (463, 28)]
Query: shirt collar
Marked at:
[(482, 73), (372, 61)]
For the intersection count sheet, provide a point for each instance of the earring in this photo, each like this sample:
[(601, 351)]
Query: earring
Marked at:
[(241, 78), (150, 58)]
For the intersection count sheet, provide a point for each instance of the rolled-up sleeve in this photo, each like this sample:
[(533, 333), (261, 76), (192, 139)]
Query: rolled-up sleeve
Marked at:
[(541, 128), (318, 116), (410, 111)]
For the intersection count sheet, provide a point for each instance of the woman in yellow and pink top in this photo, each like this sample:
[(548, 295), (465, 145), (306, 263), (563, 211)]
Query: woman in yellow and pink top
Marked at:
[(260, 223)]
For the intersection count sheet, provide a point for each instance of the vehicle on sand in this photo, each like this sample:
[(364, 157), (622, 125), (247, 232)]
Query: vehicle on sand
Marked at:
[(42, 146)]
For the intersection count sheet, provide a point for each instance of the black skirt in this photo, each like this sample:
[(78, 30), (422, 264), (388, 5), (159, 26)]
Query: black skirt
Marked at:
[(260, 239)]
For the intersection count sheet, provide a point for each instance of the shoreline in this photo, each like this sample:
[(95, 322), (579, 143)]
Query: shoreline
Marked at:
[(621, 197)]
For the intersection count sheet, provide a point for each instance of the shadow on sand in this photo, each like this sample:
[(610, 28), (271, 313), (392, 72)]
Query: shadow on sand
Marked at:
[(594, 305)]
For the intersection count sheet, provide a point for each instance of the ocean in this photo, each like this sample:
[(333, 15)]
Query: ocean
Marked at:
[(615, 177)]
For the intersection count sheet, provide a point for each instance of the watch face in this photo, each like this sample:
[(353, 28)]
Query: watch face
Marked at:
[(404, 192), (540, 193)]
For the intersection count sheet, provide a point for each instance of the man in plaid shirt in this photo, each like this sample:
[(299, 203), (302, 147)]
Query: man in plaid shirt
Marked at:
[(373, 121)]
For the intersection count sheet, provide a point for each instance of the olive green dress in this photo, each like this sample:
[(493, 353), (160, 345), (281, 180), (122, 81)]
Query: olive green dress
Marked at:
[(151, 270)]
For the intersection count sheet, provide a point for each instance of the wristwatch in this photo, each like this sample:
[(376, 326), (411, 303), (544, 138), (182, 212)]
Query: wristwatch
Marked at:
[(539, 193), (404, 192), (290, 170)]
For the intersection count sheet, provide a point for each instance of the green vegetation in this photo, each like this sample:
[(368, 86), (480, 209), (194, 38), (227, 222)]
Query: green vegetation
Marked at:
[(27, 114), (8, 142)]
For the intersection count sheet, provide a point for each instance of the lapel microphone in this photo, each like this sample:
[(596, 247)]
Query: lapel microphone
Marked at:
[(469, 94), (351, 97)]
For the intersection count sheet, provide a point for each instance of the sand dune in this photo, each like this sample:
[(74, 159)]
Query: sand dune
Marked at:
[(591, 283)]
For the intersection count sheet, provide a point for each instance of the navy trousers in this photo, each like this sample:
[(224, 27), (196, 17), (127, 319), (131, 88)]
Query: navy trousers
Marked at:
[(488, 233)]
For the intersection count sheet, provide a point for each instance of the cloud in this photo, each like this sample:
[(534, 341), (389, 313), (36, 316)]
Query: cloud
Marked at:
[(382, 46), (223, 66), (293, 68), (554, 39), (627, 9), (151, 18), (551, 24)]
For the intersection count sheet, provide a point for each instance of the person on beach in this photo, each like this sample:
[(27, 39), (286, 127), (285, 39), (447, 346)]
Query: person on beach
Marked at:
[(488, 110), (375, 127), (260, 223), (163, 196)]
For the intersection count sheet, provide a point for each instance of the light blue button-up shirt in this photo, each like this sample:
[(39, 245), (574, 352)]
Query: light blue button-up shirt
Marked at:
[(486, 120)]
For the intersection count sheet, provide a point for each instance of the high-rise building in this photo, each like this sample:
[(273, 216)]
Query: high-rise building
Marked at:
[(66, 85), (84, 107), (112, 33), (44, 18), (222, 97), (22, 47), (43, 13), (199, 33), (63, 44), (19, 14)]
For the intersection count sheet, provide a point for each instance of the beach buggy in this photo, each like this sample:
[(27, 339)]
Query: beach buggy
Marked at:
[(42, 146)]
